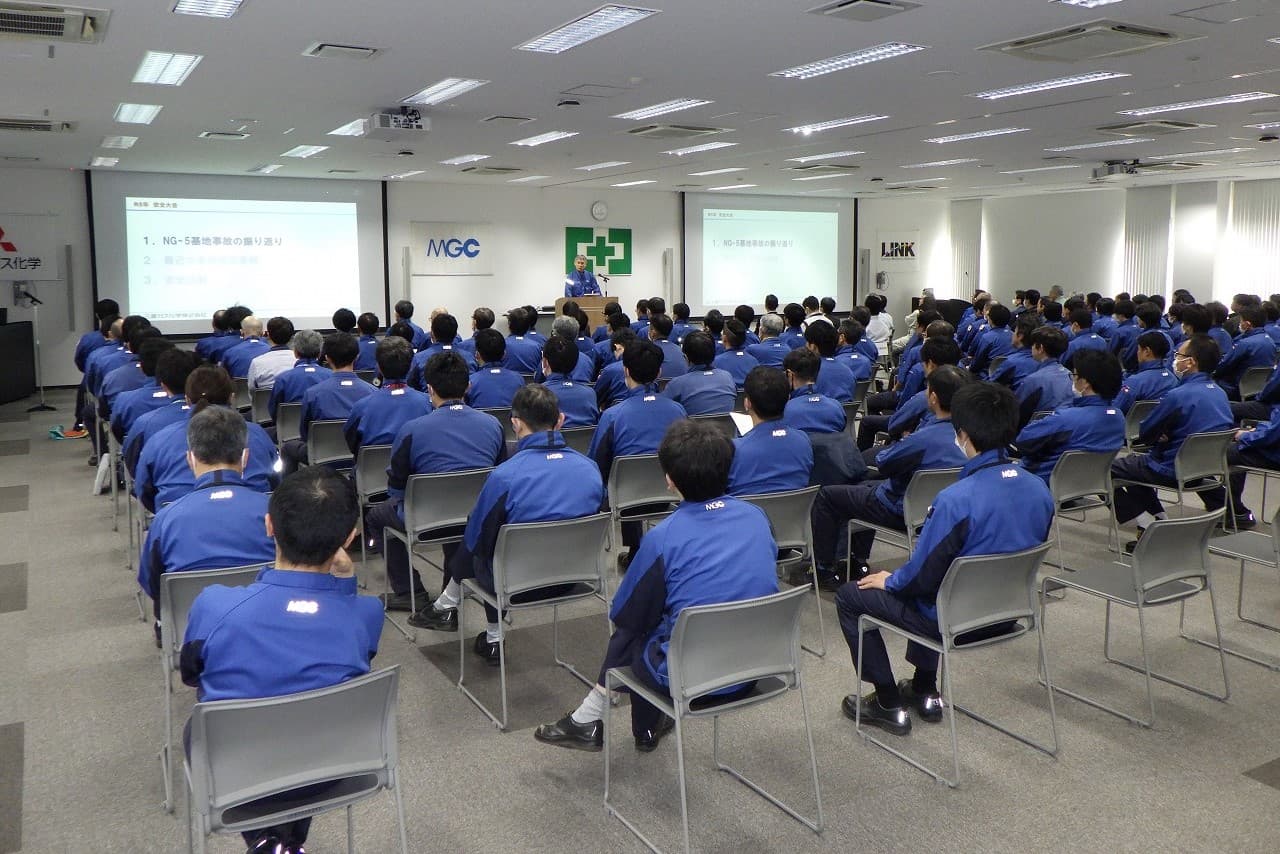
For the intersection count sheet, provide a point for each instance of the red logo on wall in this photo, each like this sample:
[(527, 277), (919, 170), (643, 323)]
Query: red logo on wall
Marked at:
[(6, 245)]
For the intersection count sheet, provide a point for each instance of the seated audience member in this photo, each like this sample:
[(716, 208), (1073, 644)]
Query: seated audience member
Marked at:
[(994, 508), (611, 385), (524, 353), (444, 331), (537, 337), (344, 320), (673, 363), (583, 369), (163, 475), (969, 330), (746, 315), (219, 523), (576, 399), (816, 312), (641, 324), (250, 642), (1125, 331), (995, 341), (808, 409), (237, 359), (1049, 385), (713, 325), (134, 403), (331, 399), (1256, 447), (404, 314), (401, 330), (106, 359), (109, 329), (1196, 405), (452, 437), (368, 342), (914, 410), (704, 389), (602, 351), (880, 501), (734, 560), (1082, 336), (864, 345), (1051, 312), (545, 480), (207, 348), (735, 359), (770, 307), (1254, 348), (793, 334), (912, 382), (637, 423), (492, 386), (90, 341), (771, 350), (601, 332), (1152, 378), (1089, 422), (771, 457), (172, 369), (835, 379), (1149, 319), (880, 324), (291, 386), (1104, 323), (377, 418), (1218, 316), (583, 341), (1019, 362), (847, 353), (680, 326), (127, 373), (911, 347), (264, 369)]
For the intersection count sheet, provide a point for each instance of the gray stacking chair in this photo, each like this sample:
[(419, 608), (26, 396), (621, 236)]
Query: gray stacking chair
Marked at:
[(1248, 547), (1254, 380), (1170, 564), (1133, 419), (240, 387), (260, 413), (578, 438), (288, 422), (113, 455), (853, 410), (503, 414), (436, 507), (326, 445), (637, 493), (995, 365), (1080, 482), (371, 486), (177, 591), (790, 518), (739, 401), (979, 592), (245, 750), (713, 648), (921, 491), (1200, 465), (721, 421), (529, 557), (367, 375)]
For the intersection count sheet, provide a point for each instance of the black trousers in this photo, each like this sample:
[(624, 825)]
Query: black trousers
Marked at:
[(882, 402), (851, 603), (836, 505), (1132, 500), (1251, 410), (868, 427), (1238, 457), (292, 453), (400, 573)]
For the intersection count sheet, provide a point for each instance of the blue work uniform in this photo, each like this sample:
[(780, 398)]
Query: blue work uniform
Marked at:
[(738, 363), (1123, 336), (524, 354), (126, 377), (1015, 367), (792, 336), (417, 368), (581, 283), (913, 384), (704, 390), (237, 359), (1195, 405), (635, 425), (132, 405), (493, 386), (163, 475), (770, 458), (611, 385), (331, 399), (993, 343), (1252, 349), (1085, 339), (1047, 387), (679, 330), (1263, 439), (89, 342), (1087, 423), (291, 385), (149, 424), (420, 336), (577, 401), (859, 365), (1149, 382), (602, 352), (1223, 339), (910, 357), (211, 347), (867, 348), (812, 412), (377, 418), (1104, 326), (453, 437), (770, 352), (910, 415), (1130, 356), (102, 361), (835, 380), (932, 446), (673, 361), (367, 360)]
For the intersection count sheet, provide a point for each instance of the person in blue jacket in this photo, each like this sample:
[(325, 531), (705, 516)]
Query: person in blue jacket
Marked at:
[(172, 370), (1259, 409), (673, 363), (1255, 447), (208, 346), (545, 480), (601, 333), (331, 399), (127, 374), (934, 353), (444, 335), (680, 326), (1082, 336), (735, 359), (492, 386), (1218, 315), (1090, 422), (299, 627), (404, 314), (482, 318), (377, 418), (995, 507), (994, 341), (808, 409), (602, 350), (1126, 330), (291, 386), (105, 311), (835, 379), (771, 457), (580, 281), (1049, 385), (576, 399), (524, 352), (1019, 362), (851, 334), (583, 369), (611, 384), (771, 349), (793, 334), (910, 356), (1152, 378), (367, 323), (712, 549), (130, 405), (107, 358), (704, 389), (1254, 348), (1149, 320), (879, 501), (237, 358), (1104, 323)]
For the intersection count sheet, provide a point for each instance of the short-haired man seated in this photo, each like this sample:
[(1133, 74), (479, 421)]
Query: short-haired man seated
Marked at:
[(1152, 378), (808, 409), (299, 627), (492, 385), (772, 457), (835, 377), (735, 359), (377, 418), (611, 384), (1049, 385), (712, 549), (577, 399), (704, 389), (368, 341), (172, 369), (995, 507), (290, 386), (264, 368), (331, 399)]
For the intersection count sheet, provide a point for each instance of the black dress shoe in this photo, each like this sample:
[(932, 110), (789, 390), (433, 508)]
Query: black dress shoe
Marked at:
[(828, 581), (648, 741), (436, 619), (402, 602), (567, 732), (487, 649), (927, 706), (1244, 521), (269, 844), (895, 720)]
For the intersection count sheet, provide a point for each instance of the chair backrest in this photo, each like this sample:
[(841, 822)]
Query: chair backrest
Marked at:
[(861, 387), (721, 421), (740, 401), (986, 590), (240, 385), (663, 382), (327, 444), (260, 413), (533, 555), (1082, 474), (995, 364), (718, 646), (1133, 419), (1203, 455), (367, 375), (244, 750), (288, 422), (436, 506), (578, 438), (371, 470), (923, 488), (637, 480), (789, 516), (503, 414), (1173, 550), (1253, 380), (179, 589)]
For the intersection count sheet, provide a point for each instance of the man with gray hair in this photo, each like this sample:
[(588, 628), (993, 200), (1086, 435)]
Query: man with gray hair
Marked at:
[(771, 350), (252, 345), (291, 385), (567, 328), (219, 523), (581, 282)]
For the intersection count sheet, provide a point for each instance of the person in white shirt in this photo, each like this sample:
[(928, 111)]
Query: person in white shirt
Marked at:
[(264, 369), (880, 329)]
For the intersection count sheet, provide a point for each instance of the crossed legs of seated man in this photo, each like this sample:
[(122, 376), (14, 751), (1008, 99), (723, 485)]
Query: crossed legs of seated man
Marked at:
[(834, 507)]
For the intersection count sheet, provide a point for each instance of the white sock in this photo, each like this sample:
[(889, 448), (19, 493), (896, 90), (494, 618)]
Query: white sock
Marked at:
[(449, 597), (493, 633), (1144, 519), (592, 708)]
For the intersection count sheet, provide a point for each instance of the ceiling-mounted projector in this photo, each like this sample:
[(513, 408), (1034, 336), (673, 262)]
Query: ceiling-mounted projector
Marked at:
[(1114, 170)]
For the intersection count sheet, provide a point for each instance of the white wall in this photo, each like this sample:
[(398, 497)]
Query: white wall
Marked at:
[(930, 217), (59, 192), (1196, 234), (527, 242)]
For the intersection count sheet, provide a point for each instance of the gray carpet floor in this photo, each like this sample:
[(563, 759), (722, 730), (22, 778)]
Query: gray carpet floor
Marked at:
[(81, 718)]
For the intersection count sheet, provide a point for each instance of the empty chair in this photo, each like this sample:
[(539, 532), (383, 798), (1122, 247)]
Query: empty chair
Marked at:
[(288, 422), (983, 600), (789, 514), (637, 492), (1170, 565), (1256, 548), (243, 751), (578, 438), (721, 421), (715, 648), (1253, 380), (258, 410), (371, 485), (923, 488), (327, 445), (536, 565)]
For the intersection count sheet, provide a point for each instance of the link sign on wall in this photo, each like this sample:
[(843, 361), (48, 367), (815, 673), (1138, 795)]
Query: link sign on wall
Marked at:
[(898, 251)]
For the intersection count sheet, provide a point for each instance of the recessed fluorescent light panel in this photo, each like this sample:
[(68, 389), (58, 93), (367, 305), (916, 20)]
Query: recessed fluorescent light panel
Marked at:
[(732, 187), (608, 164), (982, 134), (118, 141), (527, 178), (355, 128), (1242, 98), (1106, 143), (399, 175), (552, 136), (821, 177), (1046, 85), (634, 183), (1039, 169), (208, 8), (939, 163), (137, 114), (305, 150), (463, 159), (836, 123), (848, 60), (446, 90), (810, 158), (266, 168), (166, 69), (1192, 155), (907, 183), (694, 149), (662, 109), (718, 171), (1265, 126), (599, 23), (104, 161), (1083, 4)]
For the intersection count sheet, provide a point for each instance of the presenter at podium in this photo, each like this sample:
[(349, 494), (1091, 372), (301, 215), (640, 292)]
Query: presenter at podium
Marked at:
[(581, 282)]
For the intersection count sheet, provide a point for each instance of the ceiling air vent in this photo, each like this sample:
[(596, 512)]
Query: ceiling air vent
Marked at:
[(223, 135), (898, 188), (1167, 166), (37, 125), (490, 170), (52, 23), (342, 171), (1092, 40), (1151, 127), (325, 50), (675, 131), (821, 168), (863, 10)]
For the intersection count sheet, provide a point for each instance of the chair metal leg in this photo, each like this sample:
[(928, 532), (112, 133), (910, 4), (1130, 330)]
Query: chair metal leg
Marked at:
[(404, 836), (821, 652), (1253, 659), (1146, 668), (142, 609), (684, 792), (609, 808), (351, 830), (387, 534), (166, 750), (500, 723), (555, 649)]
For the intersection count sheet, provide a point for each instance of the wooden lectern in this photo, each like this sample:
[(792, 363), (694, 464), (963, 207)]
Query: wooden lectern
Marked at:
[(592, 305)]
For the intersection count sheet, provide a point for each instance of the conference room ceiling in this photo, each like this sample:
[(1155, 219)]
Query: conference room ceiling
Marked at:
[(254, 78)]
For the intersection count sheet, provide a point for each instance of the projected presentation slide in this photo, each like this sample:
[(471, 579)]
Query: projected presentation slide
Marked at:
[(189, 257), (748, 253)]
